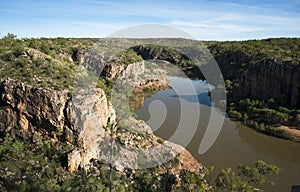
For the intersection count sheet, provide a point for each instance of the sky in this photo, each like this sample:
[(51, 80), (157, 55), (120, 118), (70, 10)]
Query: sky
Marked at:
[(202, 19)]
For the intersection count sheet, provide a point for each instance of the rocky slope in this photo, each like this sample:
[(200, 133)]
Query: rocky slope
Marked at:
[(81, 121)]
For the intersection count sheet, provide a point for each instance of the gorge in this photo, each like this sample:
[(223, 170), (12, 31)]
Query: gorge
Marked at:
[(37, 100)]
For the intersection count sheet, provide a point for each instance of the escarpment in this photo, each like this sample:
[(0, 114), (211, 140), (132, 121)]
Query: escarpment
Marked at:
[(83, 118), (261, 80), (261, 70), (270, 79)]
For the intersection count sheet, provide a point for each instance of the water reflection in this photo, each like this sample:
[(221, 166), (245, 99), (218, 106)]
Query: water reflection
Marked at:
[(234, 145), (202, 98)]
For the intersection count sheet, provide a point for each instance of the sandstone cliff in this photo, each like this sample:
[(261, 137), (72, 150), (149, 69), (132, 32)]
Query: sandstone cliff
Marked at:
[(262, 80), (26, 110)]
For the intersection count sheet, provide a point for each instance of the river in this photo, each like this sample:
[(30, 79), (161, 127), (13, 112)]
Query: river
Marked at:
[(235, 143)]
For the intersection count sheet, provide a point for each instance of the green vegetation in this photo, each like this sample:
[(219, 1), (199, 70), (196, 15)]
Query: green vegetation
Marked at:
[(235, 58), (126, 57), (42, 62), (247, 178), (264, 116), (32, 167), (40, 166), (106, 86), (50, 62), (285, 50), (161, 141)]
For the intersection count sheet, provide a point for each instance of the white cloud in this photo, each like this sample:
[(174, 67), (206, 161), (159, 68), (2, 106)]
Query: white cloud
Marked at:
[(94, 24), (213, 26), (190, 24)]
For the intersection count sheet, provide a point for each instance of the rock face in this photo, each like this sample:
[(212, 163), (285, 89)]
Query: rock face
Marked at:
[(161, 53), (28, 110), (83, 121), (111, 71), (139, 75), (262, 80), (91, 113), (269, 79)]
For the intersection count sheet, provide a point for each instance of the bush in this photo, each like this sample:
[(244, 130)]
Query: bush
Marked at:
[(247, 178), (160, 141), (235, 114), (45, 48)]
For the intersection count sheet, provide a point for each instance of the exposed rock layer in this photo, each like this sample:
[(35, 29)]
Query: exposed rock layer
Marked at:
[(27, 110), (263, 80)]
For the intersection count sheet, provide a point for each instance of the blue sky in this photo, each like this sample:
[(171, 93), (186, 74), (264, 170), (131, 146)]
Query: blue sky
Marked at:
[(203, 19)]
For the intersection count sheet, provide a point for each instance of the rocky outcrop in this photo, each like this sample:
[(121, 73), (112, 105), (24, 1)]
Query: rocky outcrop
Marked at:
[(256, 77), (111, 71), (134, 146), (138, 75), (26, 110), (91, 112), (84, 121)]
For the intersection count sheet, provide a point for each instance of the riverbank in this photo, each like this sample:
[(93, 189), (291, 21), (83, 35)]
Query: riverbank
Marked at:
[(266, 117), (293, 131)]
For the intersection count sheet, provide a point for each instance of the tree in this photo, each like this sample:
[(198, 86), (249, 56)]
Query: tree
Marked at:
[(146, 180), (45, 48), (247, 178), (167, 182), (33, 43), (245, 117), (235, 114), (256, 175), (190, 181), (228, 180), (84, 180), (27, 168), (10, 36)]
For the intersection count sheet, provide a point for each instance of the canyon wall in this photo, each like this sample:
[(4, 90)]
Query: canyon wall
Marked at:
[(256, 76), (262, 80)]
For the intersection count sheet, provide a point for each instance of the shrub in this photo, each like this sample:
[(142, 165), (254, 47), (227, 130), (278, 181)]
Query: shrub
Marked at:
[(160, 141)]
